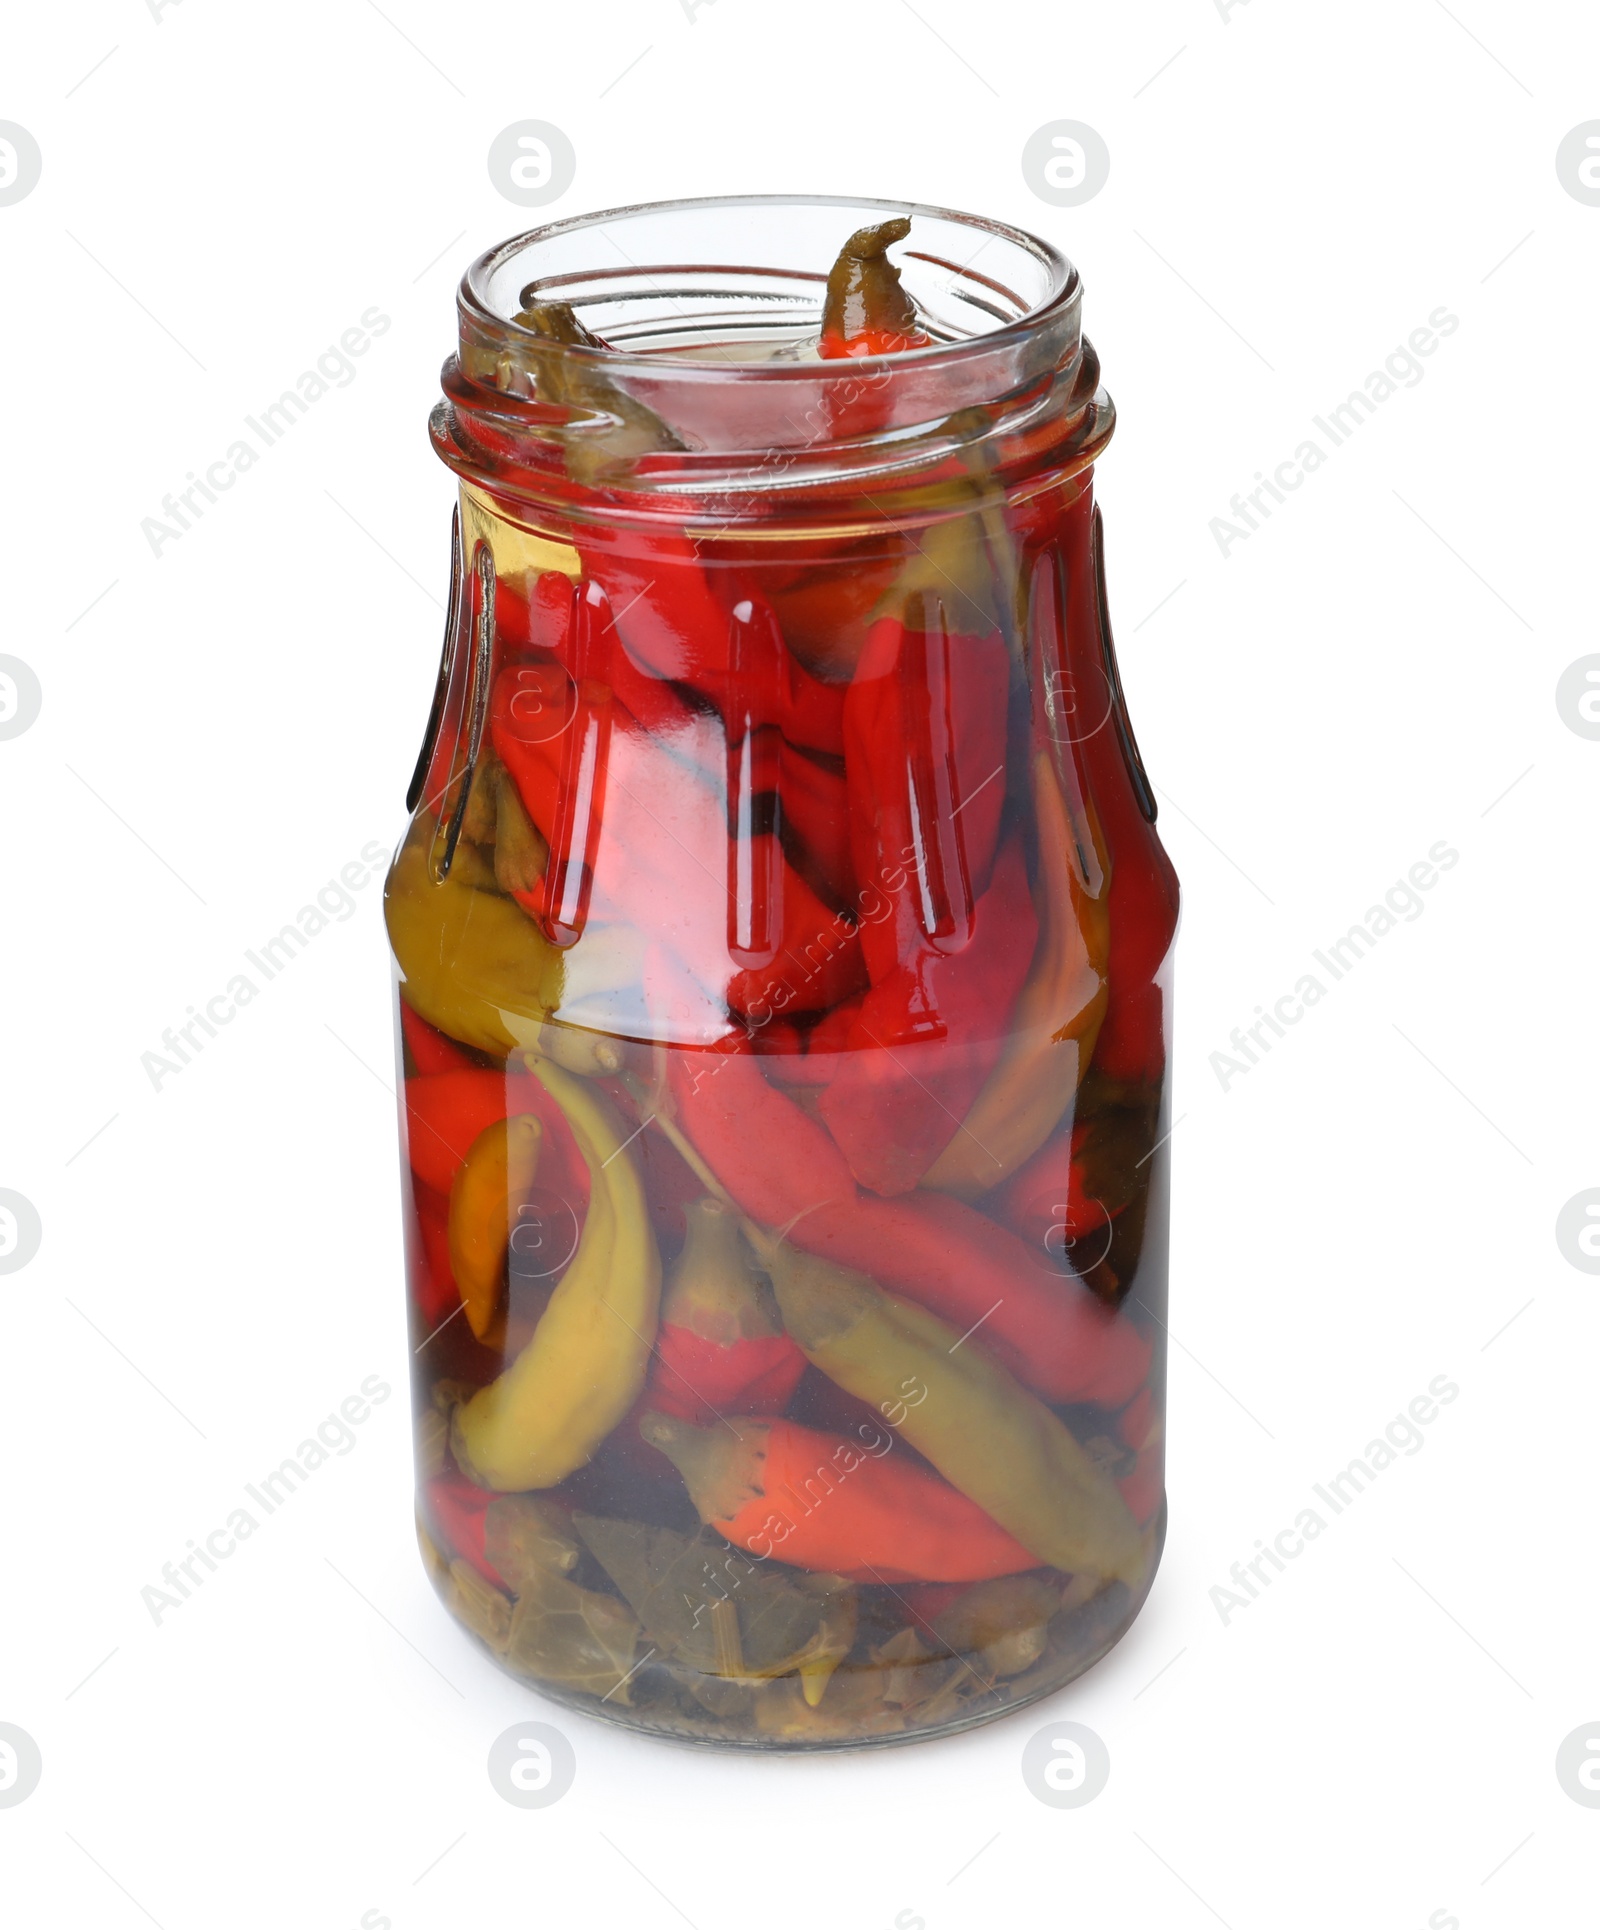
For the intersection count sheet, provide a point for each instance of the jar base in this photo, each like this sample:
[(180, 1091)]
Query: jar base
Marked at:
[(854, 1710)]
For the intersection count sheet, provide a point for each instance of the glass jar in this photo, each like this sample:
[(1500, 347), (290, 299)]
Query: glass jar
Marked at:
[(782, 945)]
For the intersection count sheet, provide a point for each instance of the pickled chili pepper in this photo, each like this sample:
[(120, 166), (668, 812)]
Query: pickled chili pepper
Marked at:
[(458, 1510), (925, 752), (754, 671), (521, 855), (1053, 1027), (666, 615), (783, 1169), (826, 605), (663, 622), (720, 1348), (928, 1036), (702, 1380), (579, 1374), (1048, 1200), (1130, 1045), (446, 1112), (800, 730), (984, 1433), (661, 707), (640, 831), (815, 822), (769, 1154), (490, 1185), (822, 1501), (608, 429), (473, 965), (1083, 1177), (866, 311), (541, 618), (660, 621), (430, 1050), (580, 714), (1051, 1333), (925, 724), (1143, 900)]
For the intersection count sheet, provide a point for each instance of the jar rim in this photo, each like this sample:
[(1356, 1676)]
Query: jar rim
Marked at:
[(711, 333), (1063, 289)]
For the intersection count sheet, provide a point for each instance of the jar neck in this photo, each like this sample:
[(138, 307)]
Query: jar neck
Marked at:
[(710, 408)]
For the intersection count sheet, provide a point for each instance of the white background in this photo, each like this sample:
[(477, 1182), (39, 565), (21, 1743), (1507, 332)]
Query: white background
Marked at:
[(1372, 1740)]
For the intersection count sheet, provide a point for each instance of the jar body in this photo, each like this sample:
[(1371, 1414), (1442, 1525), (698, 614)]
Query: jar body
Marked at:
[(781, 942)]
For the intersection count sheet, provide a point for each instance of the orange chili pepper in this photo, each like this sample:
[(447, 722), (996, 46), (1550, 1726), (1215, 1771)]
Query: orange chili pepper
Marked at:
[(836, 1506)]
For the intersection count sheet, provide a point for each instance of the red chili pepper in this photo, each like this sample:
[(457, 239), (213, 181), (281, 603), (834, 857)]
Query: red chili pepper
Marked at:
[(785, 1171), (720, 1348), (653, 702), (825, 604), (810, 1058), (925, 752), (541, 620), (670, 1186), (459, 1510), (928, 1035), (1050, 1332), (833, 1505), (773, 1158), (655, 644), (701, 1380), (815, 808), (446, 1111), (1047, 1199), (674, 629), (430, 1049), (1143, 899), (646, 835), (671, 625), (925, 739)]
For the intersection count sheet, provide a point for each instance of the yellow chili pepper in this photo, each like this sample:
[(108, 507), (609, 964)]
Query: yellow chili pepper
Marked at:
[(491, 1182), (1055, 1023), (579, 1374), (473, 964), (985, 1434)]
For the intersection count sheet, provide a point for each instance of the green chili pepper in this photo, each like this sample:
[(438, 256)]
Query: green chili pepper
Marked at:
[(866, 311), (984, 1433)]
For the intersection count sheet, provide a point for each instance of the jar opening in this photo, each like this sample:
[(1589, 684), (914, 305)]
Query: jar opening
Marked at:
[(741, 280)]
